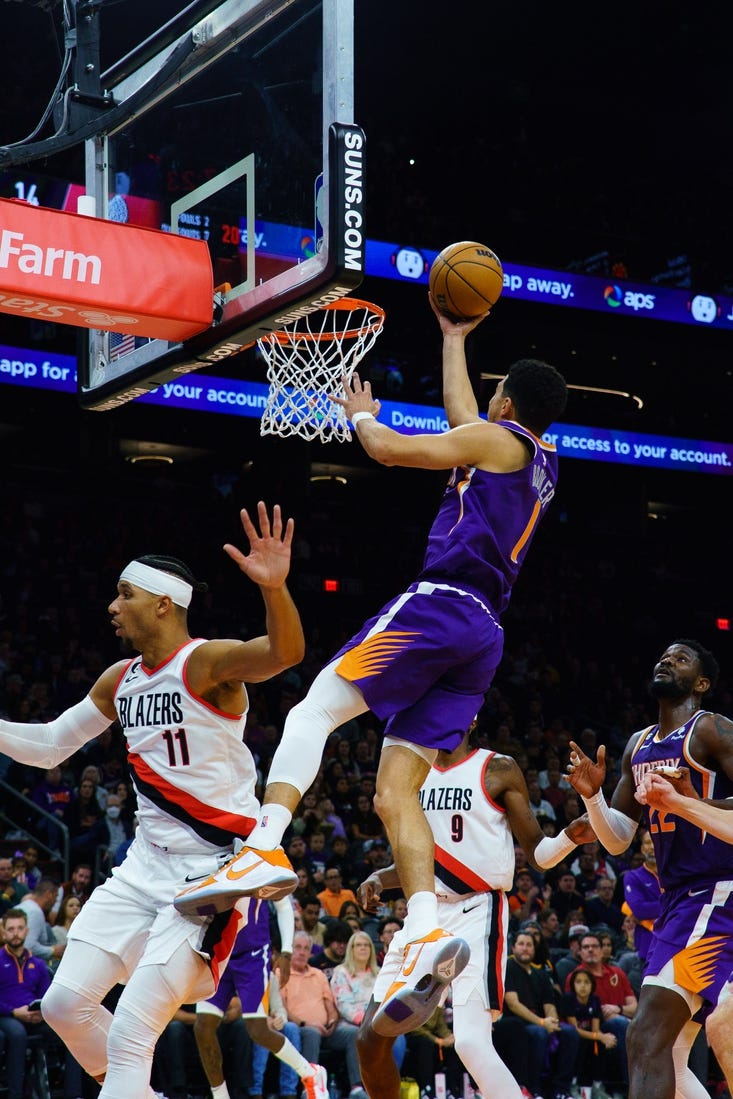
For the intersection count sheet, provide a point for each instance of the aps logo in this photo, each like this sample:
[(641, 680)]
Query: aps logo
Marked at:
[(633, 299)]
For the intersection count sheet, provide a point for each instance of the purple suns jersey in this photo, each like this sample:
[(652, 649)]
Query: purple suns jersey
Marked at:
[(486, 522), (685, 854)]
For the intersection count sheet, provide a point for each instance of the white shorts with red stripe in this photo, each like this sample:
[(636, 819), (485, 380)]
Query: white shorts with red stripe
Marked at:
[(482, 919), (132, 915)]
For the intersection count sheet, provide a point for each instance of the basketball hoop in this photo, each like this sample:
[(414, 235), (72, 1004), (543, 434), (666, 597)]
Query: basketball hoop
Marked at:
[(305, 362)]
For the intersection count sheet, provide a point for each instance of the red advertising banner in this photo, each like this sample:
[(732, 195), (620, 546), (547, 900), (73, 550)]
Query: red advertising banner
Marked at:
[(93, 273)]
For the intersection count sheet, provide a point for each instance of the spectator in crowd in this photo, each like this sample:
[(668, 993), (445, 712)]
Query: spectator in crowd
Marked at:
[(297, 850), (618, 1001), (334, 895), (431, 1049), (352, 983), (340, 859), (40, 938), (119, 829), (376, 857), (539, 805), (643, 895), (549, 925), (571, 809), (88, 829), (24, 979), (601, 863), (602, 909), (67, 913), (79, 885), (565, 965), (364, 824), (310, 911), (54, 796), (11, 890), (93, 773), (307, 816), (19, 869), (317, 855), (525, 899), (399, 908), (553, 783), (305, 887), (331, 819), (32, 871), (350, 913), (127, 801), (565, 897), (335, 939), (581, 1007), (530, 996), (386, 931), (628, 957), (587, 876), (310, 1005), (608, 945)]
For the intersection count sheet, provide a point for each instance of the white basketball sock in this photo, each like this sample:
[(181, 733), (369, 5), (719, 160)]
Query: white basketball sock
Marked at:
[(422, 915)]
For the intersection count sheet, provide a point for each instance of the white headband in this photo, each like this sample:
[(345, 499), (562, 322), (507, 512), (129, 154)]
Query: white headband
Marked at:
[(158, 582)]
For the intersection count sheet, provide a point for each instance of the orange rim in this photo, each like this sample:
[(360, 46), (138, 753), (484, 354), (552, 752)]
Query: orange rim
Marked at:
[(347, 304)]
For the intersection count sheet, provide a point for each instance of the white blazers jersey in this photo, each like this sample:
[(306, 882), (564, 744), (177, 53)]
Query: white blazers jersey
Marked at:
[(193, 774), (474, 847)]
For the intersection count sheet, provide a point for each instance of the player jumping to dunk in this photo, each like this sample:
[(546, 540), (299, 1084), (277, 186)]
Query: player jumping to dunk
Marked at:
[(427, 659), (182, 705)]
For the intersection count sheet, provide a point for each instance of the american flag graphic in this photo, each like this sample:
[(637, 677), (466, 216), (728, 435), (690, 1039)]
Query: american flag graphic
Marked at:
[(119, 344)]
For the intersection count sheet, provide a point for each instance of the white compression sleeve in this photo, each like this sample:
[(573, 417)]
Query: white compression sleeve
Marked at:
[(46, 745), (552, 849), (285, 923), (331, 700), (614, 829)]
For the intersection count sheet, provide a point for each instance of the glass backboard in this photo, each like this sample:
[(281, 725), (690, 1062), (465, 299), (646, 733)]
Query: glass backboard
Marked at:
[(251, 146)]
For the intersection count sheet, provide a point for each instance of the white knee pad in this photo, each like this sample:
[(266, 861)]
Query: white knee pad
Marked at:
[(330, 702), (82, 1025)]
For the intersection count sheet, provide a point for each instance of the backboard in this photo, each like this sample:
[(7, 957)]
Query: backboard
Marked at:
[(241, 133)]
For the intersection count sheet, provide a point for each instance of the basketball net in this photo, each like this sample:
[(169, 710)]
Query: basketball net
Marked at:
[(305, 362)]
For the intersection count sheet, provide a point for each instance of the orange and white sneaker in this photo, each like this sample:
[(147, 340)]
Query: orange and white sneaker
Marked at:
[(428, 965), (316, 1085), (267, 875)]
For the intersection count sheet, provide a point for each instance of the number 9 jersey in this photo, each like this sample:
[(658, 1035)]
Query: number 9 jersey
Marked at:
[(474, 847)]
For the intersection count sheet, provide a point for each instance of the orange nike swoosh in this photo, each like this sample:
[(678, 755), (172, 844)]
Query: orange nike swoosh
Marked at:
[(407, 969), (233, 875)]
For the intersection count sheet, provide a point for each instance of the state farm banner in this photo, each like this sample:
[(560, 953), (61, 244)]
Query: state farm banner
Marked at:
[(94, 273)]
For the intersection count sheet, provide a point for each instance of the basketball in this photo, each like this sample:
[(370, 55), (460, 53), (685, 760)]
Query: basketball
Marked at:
[(465, 280)]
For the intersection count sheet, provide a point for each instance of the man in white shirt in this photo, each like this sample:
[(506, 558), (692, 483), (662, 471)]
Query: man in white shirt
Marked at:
[(37, 905)]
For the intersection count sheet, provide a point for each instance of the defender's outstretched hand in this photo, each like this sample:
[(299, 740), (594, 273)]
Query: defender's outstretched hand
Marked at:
[(584, 775), (268, 560)]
